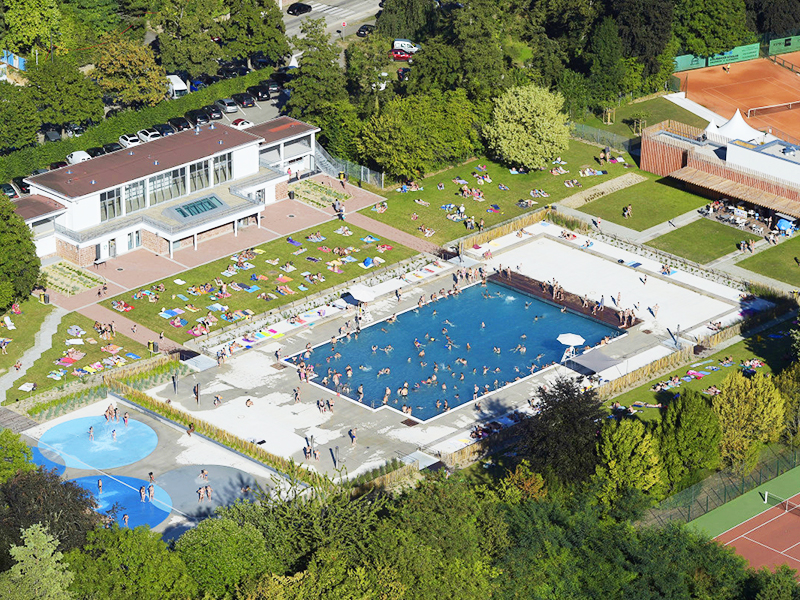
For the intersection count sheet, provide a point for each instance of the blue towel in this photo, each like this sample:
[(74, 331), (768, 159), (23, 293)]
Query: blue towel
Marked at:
[(293, 243), (633, 264), (253, 288), (302, 288), (182, 297), (704, 373), (132, 355)]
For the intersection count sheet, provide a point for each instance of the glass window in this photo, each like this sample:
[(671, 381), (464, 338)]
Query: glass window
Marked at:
[(134, 197), (198, 176), (110, 205), (134, 240), (223, 168), (167, 186)]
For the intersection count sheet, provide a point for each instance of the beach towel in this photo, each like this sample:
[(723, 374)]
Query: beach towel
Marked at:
[(65, 361), (348, 259), (293, 242), (633, 264), (217, 307), (182, 297), (9, 323), (313, 259), (273, 261), (288, 268), (179, 323), (252, 288), (370, 239), (192, 308), (447, 206), (299, 251), (335, 269), (316, 238), (57, 374), (167, 314), (227, 273), (302, 288), (74, 342), (111, 348), (283, 279), (179, 281), (493, 210)]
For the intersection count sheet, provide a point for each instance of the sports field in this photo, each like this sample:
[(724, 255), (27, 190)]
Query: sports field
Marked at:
[(748, 85)]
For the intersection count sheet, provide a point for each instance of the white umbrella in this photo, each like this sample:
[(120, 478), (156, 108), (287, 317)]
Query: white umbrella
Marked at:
[(570, 339), (361, 293)]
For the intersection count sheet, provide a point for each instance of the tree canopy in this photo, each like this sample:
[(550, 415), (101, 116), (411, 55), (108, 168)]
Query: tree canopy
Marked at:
[(19, 121), (127, 71), (38, 572), (255, 26), (19, 265), (15, 455), (62, 94)]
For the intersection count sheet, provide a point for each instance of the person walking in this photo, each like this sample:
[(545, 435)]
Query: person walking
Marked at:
[(353, 436), (142, 494), (151, 492)]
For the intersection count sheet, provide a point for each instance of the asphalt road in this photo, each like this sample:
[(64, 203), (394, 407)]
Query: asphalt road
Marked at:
[(352, 12)]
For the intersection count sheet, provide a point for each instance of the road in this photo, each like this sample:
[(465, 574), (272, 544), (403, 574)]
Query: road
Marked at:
[(353, 12)]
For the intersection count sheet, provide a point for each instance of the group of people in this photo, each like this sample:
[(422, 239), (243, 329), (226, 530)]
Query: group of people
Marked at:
[(106, 331)]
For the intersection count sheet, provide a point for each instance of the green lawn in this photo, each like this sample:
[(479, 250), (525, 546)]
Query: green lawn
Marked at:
[(653, 201), (27, 326), (147, 313), (402, 205), (772, 351), (779, 262), (37, 373), (702, 241), (658, 110)]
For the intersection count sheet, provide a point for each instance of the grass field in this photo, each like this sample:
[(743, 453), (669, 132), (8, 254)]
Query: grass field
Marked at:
[(27, 326), (147, 313), (657, 109), (37, 373), (652, 202), (779, 262), (772, 351), (702, 241), (402, 205)]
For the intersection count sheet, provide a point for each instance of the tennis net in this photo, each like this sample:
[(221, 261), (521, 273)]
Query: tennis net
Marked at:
[(785, 505), (760, 111)]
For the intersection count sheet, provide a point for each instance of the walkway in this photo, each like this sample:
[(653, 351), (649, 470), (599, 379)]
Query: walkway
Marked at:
[(42, 343), (392, 233), (98, 312)]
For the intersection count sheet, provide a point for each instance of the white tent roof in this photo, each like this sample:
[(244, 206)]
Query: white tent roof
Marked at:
[(711, 127), (738, 129)]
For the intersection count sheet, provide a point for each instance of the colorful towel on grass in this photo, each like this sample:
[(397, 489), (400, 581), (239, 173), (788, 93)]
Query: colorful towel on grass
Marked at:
[(182, 297), (370, 239), (293, 242), (284, 279), (299, 251)]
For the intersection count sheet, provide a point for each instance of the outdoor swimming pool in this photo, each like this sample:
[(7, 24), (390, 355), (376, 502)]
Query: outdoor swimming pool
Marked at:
[(484, 323)]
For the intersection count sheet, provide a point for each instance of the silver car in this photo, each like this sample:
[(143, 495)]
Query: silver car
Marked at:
[(227, 105)]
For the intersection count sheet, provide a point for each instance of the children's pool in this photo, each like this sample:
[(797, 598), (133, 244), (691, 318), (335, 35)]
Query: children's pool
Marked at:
[(507, 320)]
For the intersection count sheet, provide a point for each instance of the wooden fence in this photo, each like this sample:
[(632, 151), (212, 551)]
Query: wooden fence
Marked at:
[(483, 447), (504, 228), (404, 473)]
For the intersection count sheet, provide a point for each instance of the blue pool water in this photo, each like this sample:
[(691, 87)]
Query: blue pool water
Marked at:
[(48, 460), (500, 321), (124, 492), (71, 441)]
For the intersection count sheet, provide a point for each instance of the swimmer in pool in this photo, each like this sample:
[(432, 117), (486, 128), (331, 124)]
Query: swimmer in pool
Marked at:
[(527, 305), (468, 346), (539, 357), (483, 325)]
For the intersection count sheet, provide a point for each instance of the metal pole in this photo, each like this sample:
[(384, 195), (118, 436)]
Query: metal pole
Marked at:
[(337, 456)]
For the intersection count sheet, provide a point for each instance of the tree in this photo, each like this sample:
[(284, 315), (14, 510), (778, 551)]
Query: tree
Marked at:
[(413, 19), (527, 128), (19, 265), (15, 455), (220, 554), (64, 507), (645, 29), (341, 128), (561, 439), (62, 94), (574, 88), (320, 81), (708, 27), (689, 436), (628, 460), (127, 71), (482, 65), (607, 70), (38, 573), (751, 412), (521, 485), (364, 63), (186, 31), (124, 564), (19, 121), (777, 16), (30, 23), (788, 384), (436, 67), (99, 16), (255, 26)]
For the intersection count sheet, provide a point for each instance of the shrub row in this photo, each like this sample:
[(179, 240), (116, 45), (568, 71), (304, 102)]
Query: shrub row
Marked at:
[(64, 404), (22, 163)]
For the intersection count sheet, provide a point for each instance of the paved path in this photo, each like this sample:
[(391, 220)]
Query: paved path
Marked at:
[(124, 325), (668, 226), (42, 343), (13, 421), (392, 233)]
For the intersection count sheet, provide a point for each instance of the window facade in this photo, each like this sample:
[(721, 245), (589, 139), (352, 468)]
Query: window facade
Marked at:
[(134, 239), (110, 205), (135, 198), (223, 168), (167, 186), (198, 176)]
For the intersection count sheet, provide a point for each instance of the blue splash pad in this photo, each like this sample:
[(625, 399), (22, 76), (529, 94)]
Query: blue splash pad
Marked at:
[(124, 492)]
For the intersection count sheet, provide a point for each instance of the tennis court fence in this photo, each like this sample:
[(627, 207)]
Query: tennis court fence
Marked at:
[(604, 138), (720, 488), (785, 64), (785, 505)]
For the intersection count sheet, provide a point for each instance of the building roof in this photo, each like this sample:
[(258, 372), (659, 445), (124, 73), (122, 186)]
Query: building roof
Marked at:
[(126, 165), (35, 207), (739, 191), (281, 128)]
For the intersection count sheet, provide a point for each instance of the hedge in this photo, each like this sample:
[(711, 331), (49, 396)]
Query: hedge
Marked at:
[(22, 163)]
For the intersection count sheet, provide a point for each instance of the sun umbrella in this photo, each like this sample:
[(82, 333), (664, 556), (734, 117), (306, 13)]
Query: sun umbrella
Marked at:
[(783, 225), (361, 293), (570, 339)]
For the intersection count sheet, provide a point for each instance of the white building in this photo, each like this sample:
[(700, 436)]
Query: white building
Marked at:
[(169, 193)]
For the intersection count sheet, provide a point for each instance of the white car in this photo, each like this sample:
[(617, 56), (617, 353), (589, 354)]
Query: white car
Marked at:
[(78, 156), (148, 135), (241, 124), (128, 140)]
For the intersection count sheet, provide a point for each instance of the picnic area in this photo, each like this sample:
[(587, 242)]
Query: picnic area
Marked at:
[(240, 286)]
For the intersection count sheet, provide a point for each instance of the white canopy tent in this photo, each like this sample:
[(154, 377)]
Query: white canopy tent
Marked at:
[(738, 129)]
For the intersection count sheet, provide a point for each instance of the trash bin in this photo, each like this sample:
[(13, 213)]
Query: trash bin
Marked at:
[(291, 194)]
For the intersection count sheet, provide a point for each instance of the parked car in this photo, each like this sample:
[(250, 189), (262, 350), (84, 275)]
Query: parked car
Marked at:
[(129, 140), (365, 30), (230, 72), (259, 61), (227, 105), (52, 135), (209, 79), (397, 54), (179, 124), (9, 190), (163, 129), (78, 156), (95, 151), (259, 92), (273, 86), (197, 117), (284, 75), (244, 100), (241, 124), (148, 135), (298, 8), (74, 130), (196, 85), (22, 186), (112, 147), (59, 164), (213, 112)]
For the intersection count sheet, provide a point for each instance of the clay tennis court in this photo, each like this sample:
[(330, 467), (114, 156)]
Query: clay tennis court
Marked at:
[(769, 539), (749, 84)]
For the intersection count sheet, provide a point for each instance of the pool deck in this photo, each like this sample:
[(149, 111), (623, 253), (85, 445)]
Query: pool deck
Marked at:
[(686, 304)]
